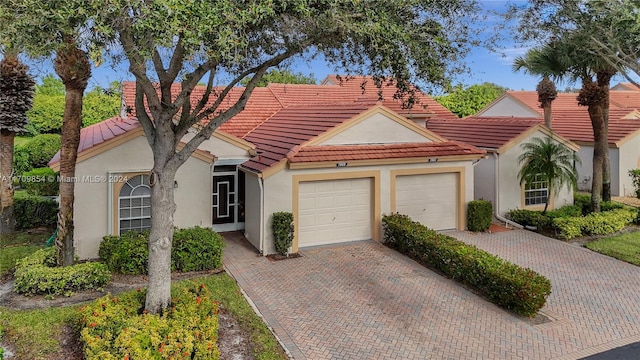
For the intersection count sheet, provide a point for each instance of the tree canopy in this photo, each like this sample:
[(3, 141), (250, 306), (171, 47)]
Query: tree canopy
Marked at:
[(282, 77), (465, 101)]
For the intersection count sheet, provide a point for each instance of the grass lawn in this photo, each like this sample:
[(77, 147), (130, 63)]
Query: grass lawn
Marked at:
[(21, 140), (35, 333), (625, 247), (18, 245)]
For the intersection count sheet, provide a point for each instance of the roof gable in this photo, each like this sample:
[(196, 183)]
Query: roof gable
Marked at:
[(508, 105)]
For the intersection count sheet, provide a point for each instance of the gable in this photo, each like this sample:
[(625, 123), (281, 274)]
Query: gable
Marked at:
[(508, 106), (224, 146), (378, 127)]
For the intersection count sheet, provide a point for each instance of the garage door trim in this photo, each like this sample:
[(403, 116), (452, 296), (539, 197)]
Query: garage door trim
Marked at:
[(375, 213), (459, 171)]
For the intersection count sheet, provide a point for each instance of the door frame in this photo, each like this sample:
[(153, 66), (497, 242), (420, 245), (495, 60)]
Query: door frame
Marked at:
[(236, 225)]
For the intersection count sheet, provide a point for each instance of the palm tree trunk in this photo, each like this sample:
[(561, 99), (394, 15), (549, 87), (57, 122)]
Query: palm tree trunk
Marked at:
[(604, 80), (600, 148), (72, 65), (546, 108), (7, 219)]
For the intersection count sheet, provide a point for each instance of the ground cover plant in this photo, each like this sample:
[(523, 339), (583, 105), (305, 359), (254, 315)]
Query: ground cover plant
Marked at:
[(625, 247), (17, 245), (508, 285)]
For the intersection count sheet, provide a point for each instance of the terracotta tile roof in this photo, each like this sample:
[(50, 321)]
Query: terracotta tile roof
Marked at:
[(260, 106), (576, 126), (626, 86), (482, 132), (568, 101), (382, 151), (291, 127), (103, 131)]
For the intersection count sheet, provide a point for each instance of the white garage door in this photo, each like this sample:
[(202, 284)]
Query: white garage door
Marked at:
[(430, 199), (334, 211)]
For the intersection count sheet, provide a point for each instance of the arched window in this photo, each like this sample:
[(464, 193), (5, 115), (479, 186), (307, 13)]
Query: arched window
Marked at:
[(134, 204)]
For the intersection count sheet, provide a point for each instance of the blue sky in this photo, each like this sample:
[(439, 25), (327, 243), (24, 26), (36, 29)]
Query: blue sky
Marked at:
[(484, 65)]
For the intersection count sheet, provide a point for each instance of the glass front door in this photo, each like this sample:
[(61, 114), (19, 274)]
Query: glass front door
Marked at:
[(227, 198)]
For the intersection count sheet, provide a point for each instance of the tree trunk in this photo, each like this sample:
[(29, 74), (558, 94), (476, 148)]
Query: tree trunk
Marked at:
[(546, 108), (163, 208), (600, 148), (604, 80), (7, 218), (68, 155)]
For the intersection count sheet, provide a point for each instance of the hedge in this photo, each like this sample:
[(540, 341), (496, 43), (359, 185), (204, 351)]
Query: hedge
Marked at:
[(118, 328), (40, 181), (34, 211), (602, 223), (38, 274), (41, 149), (479, 214), (520, 290), (193, 249)]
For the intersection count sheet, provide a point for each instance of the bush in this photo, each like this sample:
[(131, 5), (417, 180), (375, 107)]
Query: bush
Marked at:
[(118, 328), (127, 253), (635, 179), (282, 226), (40, 181), (38, 274), (21, 162), (193, 249), (528, 218), (196, 249), (610, 205), (602, 223), (41, 149), (522, 291), (584, 202), (565, 211), (479, 214), (34, 211)]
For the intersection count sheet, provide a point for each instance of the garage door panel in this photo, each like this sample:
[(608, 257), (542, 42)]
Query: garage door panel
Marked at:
[(431, 199), (340, 211)]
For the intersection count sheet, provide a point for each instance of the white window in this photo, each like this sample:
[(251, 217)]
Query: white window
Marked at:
[(134, 205), (536, 192)]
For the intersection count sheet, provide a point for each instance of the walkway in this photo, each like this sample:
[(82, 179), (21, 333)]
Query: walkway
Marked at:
[(365, 301)]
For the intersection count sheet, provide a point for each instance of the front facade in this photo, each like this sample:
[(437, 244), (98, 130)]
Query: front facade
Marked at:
[(496, 177), (572, 121), (337, 166)]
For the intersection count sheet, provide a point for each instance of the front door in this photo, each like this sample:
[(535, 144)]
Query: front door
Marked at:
[(227, 198)]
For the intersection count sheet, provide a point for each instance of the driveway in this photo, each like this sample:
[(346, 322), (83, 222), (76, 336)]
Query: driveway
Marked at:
[(365, 301)]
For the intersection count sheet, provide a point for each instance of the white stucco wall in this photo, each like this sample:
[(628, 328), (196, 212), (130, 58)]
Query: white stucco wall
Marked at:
[(222, 149), (629, 160), (252, 209), (585, 168), (510, 190), (508, 107), (377, 129), (279, 191), (484, 179), (93, 199), (617, 177)]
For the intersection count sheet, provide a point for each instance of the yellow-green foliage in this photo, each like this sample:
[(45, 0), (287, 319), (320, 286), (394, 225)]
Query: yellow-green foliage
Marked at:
[(38, 274), (593, 224), (118, 328)]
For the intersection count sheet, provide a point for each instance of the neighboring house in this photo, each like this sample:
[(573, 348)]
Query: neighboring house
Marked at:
[(572, 121), (496, 178), (337, 162)]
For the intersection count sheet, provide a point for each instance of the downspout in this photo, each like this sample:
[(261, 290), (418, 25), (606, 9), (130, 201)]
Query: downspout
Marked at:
[(497, 189), (261, 232)]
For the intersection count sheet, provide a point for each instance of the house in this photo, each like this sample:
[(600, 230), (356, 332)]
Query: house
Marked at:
[(496, 177), (572, 121), (337, 162)]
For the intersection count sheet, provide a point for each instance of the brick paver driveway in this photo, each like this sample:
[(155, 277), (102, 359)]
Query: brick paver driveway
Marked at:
[(364, 301)]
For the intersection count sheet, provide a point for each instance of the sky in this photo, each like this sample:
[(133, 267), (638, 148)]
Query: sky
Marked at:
[(484, 65)]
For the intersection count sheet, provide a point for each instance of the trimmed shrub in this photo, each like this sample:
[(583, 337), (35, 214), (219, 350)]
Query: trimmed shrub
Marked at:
[(41, 149), (21, 162), (38, 274), (479, 214), (34, 211), (193, 249), (117, 327), (196, 249), (602, 223), (635, 179), (583, 201), (565, 211), (282, 226), (528, 217), (127, 253), (40, 181), (610, 205), (522, 291)]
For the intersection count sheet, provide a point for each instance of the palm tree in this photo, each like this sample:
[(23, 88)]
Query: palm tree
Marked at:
[(549, 161), (16, 97), (566, 58)]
